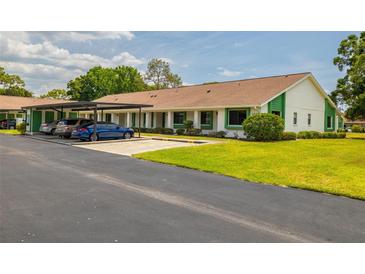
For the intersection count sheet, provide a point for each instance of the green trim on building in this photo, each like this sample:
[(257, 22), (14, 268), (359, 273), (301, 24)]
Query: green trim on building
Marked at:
[(178, 125), (49, 116), (2, 116), (72, 115), (210, 125), (235, 127), (329, 111), (133, 119), (36, 118), (277, 104)]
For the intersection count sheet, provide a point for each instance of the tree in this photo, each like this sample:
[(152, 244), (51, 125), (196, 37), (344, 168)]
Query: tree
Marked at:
[(12, 85), (159, 73), (350, 90), (99, 82), (56, 94)]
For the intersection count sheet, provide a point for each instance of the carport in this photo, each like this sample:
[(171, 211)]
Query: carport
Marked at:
[(86, 106)]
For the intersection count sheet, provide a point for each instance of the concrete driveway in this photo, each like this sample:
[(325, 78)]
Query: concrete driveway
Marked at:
[(57, 193), (134, 147)]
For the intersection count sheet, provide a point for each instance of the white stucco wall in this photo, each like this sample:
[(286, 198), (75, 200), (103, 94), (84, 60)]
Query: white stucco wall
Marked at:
[(304, 99)]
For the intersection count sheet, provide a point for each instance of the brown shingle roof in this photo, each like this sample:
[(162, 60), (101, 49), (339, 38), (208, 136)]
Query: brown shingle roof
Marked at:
[(17, 102), (249, 92)]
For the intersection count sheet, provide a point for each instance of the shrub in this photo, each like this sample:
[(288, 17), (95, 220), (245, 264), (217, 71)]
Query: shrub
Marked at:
[(188, 125), (169, 131), (21, 127), (194, 132), (341, 130), (264, 127), (356, 128), (217, 134), (333, 135), (309, 135), (180, 131), (289, 136)]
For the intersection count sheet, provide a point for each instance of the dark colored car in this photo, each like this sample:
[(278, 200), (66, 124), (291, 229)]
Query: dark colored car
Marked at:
[(76, 131), (104, 131), (66, 126), (8, 124), (49, 128)]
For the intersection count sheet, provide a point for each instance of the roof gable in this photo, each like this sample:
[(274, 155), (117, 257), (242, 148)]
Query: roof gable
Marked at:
[(248, 92), (17, 102)]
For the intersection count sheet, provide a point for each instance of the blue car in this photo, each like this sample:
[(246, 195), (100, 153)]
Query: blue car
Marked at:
[(103, 131)]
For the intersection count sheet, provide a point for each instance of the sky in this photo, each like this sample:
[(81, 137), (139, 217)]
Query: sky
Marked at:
[(47, 60)]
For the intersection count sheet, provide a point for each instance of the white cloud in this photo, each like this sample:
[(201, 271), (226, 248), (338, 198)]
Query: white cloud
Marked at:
[(126, 58), (47, 52), (228, 73), (81, 36), (168, 60)]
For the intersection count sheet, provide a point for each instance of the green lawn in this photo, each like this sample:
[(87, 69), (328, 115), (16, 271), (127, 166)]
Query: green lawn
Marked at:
[(333, 166), (10, 131), (353, 135)]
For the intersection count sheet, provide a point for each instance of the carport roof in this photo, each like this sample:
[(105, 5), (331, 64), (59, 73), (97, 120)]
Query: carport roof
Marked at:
[(87, 105)]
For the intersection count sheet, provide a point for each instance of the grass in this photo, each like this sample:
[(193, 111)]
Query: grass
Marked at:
[(325, 165), (181, 136), (10, 131), (353, 135)]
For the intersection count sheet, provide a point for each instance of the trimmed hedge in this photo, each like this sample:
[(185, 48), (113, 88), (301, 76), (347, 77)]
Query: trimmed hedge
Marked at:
[(356, 128), (180, 131), (21, 127), (264, 127), (194, 132), (217, 134), (288, 135), (319, 135), (309, 134), (158, 130)]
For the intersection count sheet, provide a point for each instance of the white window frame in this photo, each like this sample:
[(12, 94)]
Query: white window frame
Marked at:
[(309, 119)]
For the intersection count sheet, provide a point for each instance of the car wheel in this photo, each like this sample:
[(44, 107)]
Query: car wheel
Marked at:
[(52, 131), (93, 138), (127, 135)]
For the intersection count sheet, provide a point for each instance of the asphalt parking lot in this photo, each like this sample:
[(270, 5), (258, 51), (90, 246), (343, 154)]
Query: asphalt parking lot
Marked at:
[(57, 193)]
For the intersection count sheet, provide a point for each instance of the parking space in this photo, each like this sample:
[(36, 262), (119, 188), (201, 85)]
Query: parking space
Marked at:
[(54, 139), (130, 148)]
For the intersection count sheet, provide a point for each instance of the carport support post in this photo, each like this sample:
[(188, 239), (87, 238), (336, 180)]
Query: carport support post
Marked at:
[(95, 120), (139, 122)]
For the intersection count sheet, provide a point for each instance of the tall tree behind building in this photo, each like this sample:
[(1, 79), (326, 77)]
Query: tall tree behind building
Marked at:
[(13, 85), (350, 90)]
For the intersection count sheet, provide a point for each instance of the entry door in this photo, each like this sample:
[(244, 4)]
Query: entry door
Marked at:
[(36, 120)]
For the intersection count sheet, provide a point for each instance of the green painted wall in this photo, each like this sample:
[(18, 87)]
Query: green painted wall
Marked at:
[(72, 115), (49, 116), (278, 104), (36, 120), (59, 115), (11, 115), (2, 116), (329, 111)]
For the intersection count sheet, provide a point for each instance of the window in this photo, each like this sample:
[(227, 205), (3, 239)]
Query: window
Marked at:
[(329, 121), (309, 119), (236, 117), (206, 119), (108, 117), (152, 119), (163, 119), (133, 119), (179, 118), (19, 115), (144, 119), (295, 118)]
